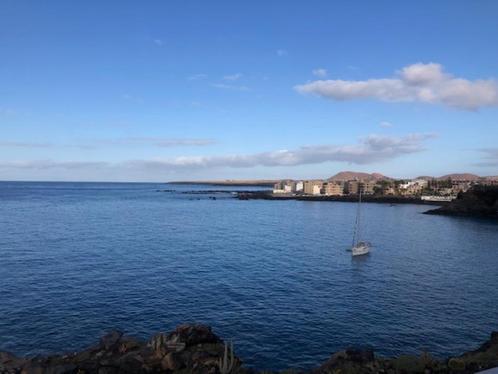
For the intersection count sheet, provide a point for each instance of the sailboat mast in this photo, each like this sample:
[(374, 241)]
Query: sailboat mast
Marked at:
[(356, 234), (358, 237)]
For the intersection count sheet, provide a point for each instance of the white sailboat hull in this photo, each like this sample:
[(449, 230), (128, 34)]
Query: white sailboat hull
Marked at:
[(360, 249)]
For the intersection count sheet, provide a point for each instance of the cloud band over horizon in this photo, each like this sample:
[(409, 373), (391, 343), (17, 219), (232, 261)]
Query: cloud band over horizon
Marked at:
[(130, 141), (369, 150)]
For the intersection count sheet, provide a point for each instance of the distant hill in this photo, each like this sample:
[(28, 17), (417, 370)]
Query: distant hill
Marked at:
[(461, 176), (353, 175)]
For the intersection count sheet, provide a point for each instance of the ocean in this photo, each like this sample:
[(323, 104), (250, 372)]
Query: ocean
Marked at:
[(275, 277)]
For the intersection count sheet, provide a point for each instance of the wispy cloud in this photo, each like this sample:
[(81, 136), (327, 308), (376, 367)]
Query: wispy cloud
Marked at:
[(132, 98), (6, 111), (158, 42), (281, 52), (371, 149), (196, 77), (320, 73), (232, 77), (385, 124), (490, 157), (230, 87), (425, 83), (12, 144), (157, 142), (50, 164), (100, 143)]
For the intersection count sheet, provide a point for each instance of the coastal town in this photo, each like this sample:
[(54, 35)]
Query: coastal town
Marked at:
[(445, 188)]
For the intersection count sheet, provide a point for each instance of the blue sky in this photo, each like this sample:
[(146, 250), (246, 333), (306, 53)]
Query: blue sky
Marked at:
[(158, 91)]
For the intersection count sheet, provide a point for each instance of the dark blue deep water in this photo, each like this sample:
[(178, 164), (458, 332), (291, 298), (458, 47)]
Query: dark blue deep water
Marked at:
[(78, 259)]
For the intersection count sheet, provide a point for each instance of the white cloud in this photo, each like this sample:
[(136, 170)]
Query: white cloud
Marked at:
[(426, 83), (282, 52), (158, 42), (232, 77), (385, 124), (320, 73)]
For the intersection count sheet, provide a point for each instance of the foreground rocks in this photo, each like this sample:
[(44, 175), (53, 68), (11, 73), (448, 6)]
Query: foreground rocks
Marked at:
[(196, 349), (480, 201), (188, 349), (364, 361)]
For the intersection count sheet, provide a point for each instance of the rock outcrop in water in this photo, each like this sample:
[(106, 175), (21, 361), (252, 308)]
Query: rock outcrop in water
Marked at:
[(480, 201), (196, 349)]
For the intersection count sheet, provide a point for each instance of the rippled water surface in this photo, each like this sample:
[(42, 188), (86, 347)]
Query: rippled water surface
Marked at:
[(77, 259)]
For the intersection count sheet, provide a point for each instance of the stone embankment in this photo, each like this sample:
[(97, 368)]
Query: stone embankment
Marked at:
[(196, 349)]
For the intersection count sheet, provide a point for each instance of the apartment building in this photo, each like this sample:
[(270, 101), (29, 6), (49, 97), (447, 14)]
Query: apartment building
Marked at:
[(353, 187), (332, 189), (312, 187), (367, 188)]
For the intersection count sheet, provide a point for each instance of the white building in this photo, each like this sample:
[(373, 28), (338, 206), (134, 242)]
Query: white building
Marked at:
[(287, 187), (422, 183), (317, 190), (299, 186)]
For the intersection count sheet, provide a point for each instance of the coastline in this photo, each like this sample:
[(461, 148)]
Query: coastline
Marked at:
[(197, 349), (233, 183), (268, 195), (477, 202)]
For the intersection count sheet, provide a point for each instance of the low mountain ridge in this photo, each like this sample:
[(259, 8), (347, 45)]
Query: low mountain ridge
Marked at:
[(353, 175), (461, 176)]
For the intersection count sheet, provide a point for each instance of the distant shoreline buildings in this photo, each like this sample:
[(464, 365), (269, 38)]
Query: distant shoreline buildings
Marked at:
[(425, 188)]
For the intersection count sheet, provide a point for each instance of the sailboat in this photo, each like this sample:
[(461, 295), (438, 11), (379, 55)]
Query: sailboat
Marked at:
[(359, 247)]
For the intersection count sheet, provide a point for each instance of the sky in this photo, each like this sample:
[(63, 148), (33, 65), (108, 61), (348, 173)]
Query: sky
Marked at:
[(191, 90)]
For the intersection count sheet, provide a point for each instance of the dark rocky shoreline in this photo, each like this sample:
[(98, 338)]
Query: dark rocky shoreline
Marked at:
[(476, 202), (196, 349), (268, 195)]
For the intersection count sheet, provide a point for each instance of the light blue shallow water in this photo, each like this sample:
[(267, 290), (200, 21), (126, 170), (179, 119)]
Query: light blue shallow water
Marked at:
[(77, 259)]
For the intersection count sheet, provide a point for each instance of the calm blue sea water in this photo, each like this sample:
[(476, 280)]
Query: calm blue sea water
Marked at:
[(77, 259)]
